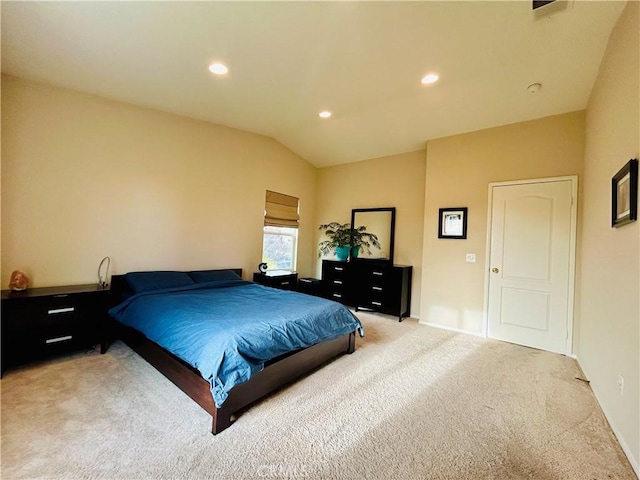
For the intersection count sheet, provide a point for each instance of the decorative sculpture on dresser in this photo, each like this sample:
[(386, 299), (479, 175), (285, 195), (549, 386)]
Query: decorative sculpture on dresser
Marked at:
[(19, 281)]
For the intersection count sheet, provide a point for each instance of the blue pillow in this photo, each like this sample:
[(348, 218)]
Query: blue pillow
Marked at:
[(203, 276), (149, 281)]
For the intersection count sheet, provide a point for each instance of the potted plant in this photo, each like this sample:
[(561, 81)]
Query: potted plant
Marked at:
[(342, 240), (363, 240), (339, 236)]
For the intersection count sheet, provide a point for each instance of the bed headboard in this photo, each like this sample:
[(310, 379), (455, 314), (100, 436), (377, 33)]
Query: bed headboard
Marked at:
[(120, 287)]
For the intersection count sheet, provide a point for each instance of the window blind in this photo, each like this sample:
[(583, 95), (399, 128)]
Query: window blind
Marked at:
[(281, 210)]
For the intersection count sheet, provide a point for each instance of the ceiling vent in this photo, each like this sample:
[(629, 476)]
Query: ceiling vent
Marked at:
[(546, 8)]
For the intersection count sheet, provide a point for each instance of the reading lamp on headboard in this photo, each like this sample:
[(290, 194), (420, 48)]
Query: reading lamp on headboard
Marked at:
[(102, 279)]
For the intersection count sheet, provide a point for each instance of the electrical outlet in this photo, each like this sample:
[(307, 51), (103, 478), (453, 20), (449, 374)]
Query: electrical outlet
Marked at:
[(471, 257), (621, 384)]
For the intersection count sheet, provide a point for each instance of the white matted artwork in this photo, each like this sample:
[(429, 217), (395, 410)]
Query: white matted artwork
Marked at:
[(452, 223)]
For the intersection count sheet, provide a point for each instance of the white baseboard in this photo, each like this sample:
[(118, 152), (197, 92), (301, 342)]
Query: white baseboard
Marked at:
[(625, 448), (453, 329)]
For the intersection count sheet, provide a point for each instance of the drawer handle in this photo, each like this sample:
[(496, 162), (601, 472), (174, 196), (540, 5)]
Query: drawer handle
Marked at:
[(338, 282), (377, 273), (337, 295), (339, 269), (285, 283), (379, 289), (60, 310), (59, 339), (62, 295), (377, 304)]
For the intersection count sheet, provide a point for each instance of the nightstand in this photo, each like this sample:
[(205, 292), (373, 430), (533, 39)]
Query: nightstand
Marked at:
[(283, 280), (310, 286), (41, 322)]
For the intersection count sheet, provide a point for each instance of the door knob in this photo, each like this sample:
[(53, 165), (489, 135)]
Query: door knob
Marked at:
[(495, 270)]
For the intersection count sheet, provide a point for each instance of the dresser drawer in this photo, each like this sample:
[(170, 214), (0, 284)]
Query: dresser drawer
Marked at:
[(337, 294), (63, 336), (43, 312), (73, 326), (381, 274), (378, 301), (337, 268)]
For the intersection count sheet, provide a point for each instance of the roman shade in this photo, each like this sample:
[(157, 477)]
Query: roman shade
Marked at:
[(281, 210)]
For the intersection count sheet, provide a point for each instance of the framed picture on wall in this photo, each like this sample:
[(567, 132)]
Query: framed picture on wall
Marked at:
[(453, 223), (624, 194)]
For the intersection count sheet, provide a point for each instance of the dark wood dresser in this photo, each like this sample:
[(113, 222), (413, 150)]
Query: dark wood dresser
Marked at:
[(41, 322), (369, 284)]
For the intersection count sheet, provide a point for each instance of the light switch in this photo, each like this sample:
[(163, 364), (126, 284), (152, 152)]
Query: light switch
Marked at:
[(471, 258)]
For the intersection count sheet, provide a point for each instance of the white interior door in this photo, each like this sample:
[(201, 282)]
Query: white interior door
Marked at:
[(531, 262)]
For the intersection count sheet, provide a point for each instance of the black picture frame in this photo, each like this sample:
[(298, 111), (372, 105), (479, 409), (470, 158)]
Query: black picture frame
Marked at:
[(624, 195), (452, 223)]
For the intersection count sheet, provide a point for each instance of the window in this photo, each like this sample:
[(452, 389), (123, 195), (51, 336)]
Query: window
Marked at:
[(279, 248), (280, 236)]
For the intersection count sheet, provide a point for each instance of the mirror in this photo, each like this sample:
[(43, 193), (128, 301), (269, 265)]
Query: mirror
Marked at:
[(372, 229)]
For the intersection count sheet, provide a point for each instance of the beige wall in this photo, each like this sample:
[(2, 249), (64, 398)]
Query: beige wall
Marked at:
[(84, 177), (459, 170), (394, 181), (608, 336)]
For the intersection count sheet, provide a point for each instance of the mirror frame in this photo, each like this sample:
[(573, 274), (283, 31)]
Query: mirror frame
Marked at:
[(392, 229)]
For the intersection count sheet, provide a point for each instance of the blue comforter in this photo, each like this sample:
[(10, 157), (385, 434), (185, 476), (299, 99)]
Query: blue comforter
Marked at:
[(228, 329)]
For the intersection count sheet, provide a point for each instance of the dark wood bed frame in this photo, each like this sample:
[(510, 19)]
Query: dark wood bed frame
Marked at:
[(277, 372)]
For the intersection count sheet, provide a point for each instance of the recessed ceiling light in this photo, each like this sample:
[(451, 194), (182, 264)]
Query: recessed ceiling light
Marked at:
[(431, 78), (218, 68), (324, 114)]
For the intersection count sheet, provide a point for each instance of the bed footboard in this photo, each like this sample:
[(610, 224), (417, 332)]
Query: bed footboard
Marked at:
[(277, 375)]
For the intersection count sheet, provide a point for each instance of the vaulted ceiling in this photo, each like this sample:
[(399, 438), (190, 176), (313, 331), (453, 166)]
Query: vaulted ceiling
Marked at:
[(287, 61)]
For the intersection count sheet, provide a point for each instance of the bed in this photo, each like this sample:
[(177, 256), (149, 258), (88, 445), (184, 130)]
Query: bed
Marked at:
[(224, 341)]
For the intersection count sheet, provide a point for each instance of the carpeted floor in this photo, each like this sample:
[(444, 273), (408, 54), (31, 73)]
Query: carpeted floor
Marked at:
[(412, 402)]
